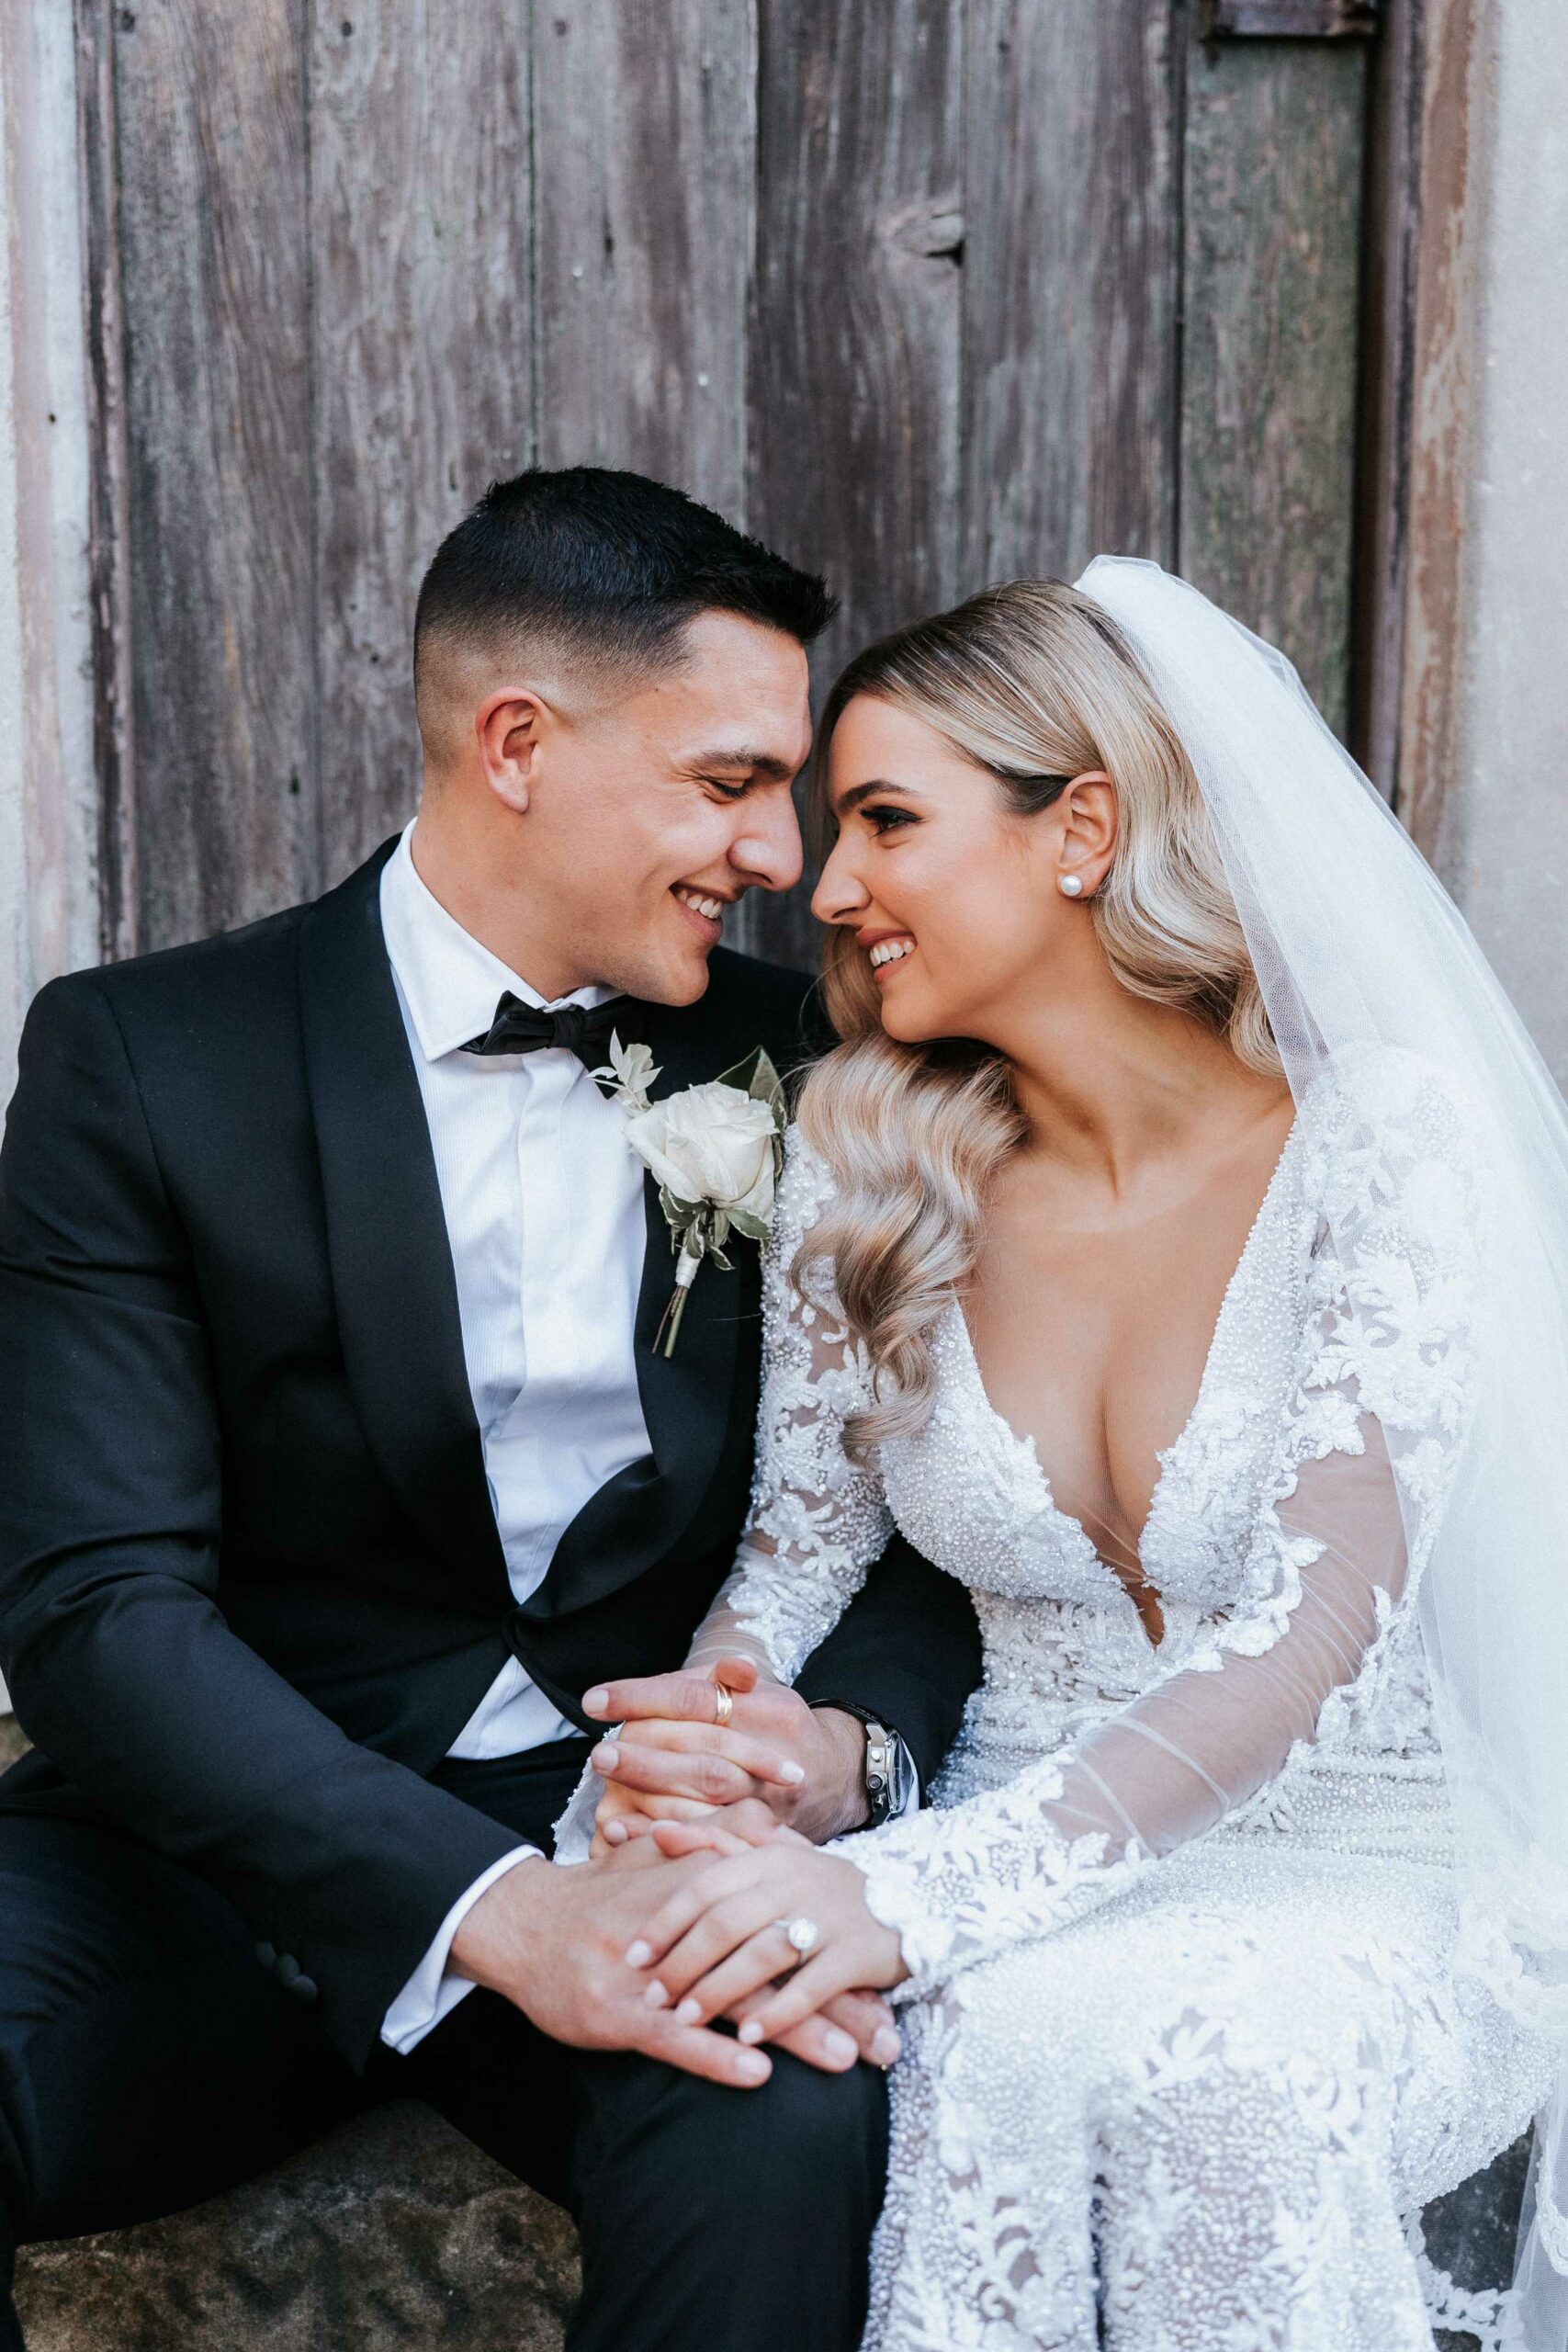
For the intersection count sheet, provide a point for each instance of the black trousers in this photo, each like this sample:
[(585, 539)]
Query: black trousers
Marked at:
[(147, 2060)]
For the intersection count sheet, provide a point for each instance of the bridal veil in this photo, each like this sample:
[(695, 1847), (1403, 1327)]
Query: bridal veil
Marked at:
[(1357, 950)]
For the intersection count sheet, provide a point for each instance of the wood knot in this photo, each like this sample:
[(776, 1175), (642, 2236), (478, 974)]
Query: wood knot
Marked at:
[(933, 231)]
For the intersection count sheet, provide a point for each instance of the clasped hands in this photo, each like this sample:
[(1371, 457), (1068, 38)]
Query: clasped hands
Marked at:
[(672, 1932), (753, 1793)]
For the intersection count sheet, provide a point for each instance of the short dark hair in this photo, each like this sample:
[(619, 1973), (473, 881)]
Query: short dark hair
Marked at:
[(607, 566)]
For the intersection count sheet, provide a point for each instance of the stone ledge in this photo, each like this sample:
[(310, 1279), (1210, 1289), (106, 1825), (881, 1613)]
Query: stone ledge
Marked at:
[(392, 2232)]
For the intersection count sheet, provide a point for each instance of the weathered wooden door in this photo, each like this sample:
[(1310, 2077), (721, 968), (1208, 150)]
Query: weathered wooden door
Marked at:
[(927, 292)]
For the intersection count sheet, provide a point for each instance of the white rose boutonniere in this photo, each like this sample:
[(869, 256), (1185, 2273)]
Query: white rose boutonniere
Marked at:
[(716, 1152)]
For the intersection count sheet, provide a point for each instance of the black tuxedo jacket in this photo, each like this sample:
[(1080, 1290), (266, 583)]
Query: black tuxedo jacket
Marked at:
[(251, 1586)]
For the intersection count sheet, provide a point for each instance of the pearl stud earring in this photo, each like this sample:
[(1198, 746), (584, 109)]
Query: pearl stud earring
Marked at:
[(1072, 886)]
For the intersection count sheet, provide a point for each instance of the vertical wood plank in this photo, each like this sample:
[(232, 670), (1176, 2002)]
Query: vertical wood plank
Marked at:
[(49, 898), (1449, 291), (645, 149), (109, 484), (1070, 278), (1391, 246), (1272, 214), (854, 360), (420, 242), (210, 104)]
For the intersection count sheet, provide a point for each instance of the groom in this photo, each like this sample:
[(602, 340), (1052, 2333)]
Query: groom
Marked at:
[(337, 1467)]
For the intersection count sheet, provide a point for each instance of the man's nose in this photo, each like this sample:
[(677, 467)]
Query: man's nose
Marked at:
[(769, 852), (840, 894)]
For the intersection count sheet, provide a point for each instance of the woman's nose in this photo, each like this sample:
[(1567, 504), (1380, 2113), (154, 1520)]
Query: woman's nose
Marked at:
[(840, 893)]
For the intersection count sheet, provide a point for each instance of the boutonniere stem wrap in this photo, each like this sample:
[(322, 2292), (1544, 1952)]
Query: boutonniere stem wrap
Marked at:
[(716, 1152)]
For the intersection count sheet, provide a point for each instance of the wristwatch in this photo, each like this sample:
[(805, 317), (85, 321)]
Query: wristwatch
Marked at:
[(889, 1766)]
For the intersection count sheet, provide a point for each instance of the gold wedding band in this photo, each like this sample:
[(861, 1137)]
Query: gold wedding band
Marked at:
[(723, 1705)]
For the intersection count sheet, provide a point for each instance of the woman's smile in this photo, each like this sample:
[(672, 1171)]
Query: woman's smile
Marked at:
[(885, 948)]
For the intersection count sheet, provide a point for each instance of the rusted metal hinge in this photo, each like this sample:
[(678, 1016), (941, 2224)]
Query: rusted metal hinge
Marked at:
[(1286, 19)]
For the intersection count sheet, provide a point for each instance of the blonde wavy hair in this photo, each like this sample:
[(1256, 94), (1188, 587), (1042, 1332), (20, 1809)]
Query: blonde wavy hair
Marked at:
[(1034, 683)]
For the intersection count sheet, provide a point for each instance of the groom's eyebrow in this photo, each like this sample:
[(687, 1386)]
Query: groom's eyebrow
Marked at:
[(761, 763)]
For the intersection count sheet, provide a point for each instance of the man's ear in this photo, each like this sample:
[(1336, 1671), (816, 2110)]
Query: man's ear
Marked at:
[(508, 726)]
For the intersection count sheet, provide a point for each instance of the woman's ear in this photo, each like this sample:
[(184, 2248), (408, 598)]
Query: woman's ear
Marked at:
[(1091, 830), (508, 728)]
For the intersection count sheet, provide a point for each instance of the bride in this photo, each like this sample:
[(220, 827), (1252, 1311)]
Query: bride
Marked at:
[(1175, 1248)]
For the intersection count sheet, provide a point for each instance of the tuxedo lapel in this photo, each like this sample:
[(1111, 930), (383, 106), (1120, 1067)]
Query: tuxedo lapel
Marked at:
[(687, 1398), (391, 1260)]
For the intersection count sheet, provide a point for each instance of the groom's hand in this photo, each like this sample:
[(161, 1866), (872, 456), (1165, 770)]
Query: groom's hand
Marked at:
[(673, 1760), (553, 1942)]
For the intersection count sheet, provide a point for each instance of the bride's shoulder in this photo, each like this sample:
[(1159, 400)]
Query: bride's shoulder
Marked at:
[(1390, 1090), (1384, 1120), (806, 1190), (807, 1186)]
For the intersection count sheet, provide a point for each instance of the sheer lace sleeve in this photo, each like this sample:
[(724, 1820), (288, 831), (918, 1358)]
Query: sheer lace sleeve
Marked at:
[(1362, 1462), (818, 1521)]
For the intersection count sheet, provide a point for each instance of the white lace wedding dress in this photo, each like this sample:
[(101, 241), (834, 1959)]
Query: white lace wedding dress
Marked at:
[(1186, 2044)]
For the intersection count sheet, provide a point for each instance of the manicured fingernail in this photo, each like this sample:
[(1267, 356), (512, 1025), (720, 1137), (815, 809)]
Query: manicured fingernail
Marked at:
[(639, 1955), (689, 2012), (605, 1757), (752, 2067), (886, 2046), (616, 1833), (751, 2031), (838, 2045), (656, 1996), (793, 1774), (597, 1702)]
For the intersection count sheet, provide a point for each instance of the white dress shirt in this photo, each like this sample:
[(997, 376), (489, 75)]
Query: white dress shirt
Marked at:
[(543, 1200)]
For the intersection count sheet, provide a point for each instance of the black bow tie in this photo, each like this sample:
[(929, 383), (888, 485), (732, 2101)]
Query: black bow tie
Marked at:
[(582, 1029)]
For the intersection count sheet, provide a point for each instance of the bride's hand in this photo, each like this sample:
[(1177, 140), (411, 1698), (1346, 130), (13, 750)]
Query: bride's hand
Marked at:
[(861, 2014), (718, 1941), (671, 1760), (675, 1759)]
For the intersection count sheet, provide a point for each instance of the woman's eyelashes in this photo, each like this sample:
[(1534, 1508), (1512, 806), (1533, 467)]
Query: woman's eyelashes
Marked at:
[(883, 817)]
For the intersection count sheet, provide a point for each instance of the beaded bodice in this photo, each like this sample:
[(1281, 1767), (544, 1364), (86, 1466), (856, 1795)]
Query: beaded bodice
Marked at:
[(1063, 1640), (1285, 1539)]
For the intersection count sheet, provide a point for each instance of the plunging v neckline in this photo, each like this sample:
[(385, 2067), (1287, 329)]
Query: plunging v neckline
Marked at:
[(1029, 1452)]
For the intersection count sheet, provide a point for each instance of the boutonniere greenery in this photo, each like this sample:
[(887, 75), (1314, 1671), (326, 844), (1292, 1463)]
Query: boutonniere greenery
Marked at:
[(715, 1151)]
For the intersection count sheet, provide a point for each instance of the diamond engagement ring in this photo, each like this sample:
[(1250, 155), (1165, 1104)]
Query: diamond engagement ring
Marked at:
[(800, 1934)]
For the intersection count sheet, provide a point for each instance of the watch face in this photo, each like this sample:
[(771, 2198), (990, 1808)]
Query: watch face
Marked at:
[(886, 1774)]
